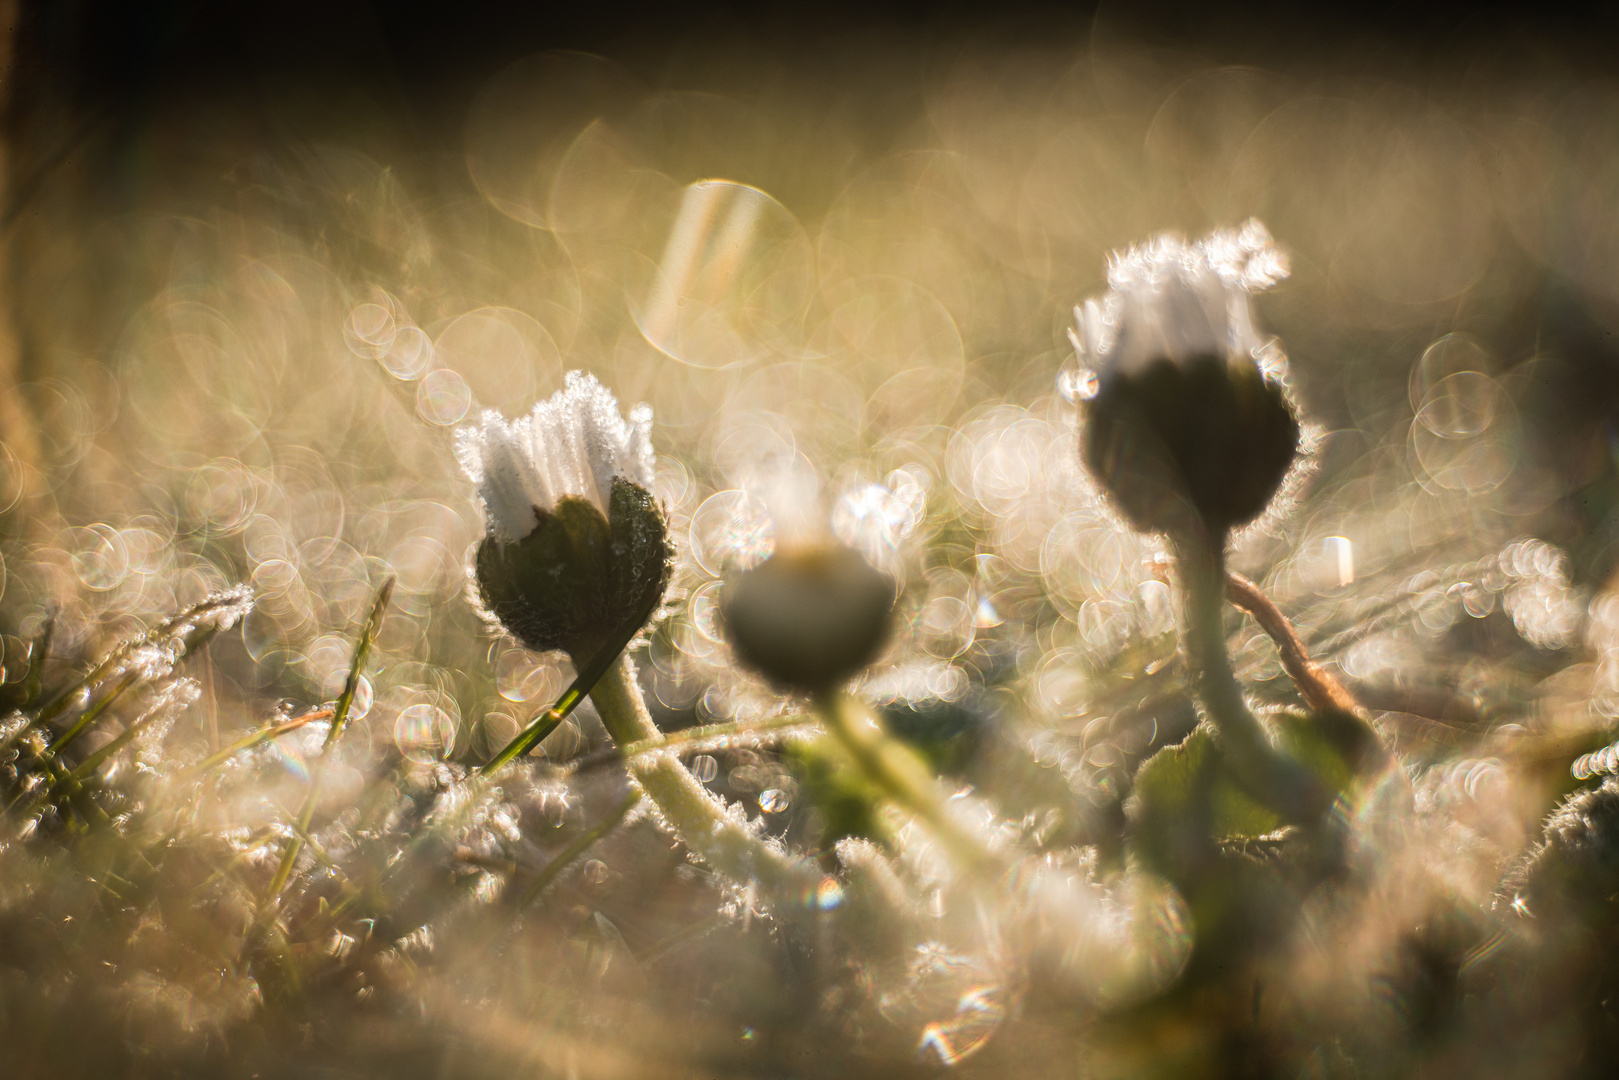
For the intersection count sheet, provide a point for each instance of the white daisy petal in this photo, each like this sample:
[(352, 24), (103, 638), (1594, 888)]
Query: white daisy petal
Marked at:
[(1168, 299), (573, 444)]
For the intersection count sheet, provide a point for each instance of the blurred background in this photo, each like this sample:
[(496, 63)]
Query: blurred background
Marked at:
[(260, 262)]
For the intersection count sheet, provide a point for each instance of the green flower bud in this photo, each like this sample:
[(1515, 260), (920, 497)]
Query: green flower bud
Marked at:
[(1184, 430), (577, 555), (579, 582), (811, 618)]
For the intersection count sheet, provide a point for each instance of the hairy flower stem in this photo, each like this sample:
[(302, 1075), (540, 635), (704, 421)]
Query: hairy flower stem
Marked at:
[(1268, 775), (724, 843), (894, 770)]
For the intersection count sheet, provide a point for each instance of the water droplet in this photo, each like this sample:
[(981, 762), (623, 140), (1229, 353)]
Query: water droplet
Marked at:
[(524, 676), (731, 531), (773, 801), (704, 768), (596, 871), (443, 397), (369, 330), (363, 697), (408, 354), (1476, 602), (100, 556), (978, 1016), (424, 732), (1077, 384)]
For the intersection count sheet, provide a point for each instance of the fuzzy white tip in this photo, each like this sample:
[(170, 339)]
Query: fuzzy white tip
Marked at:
[(573, 443), (1171, 299)]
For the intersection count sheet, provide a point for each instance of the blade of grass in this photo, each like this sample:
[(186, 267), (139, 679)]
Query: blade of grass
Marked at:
[(263, 735), (582, 685), (535, 733), (99, 674), (33, 684), (75, 779), (571, 853), (659, 949), (340, 717), (92, 714), (94, 760)]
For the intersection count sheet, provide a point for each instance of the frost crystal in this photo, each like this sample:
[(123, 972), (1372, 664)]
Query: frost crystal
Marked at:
[(1168, 298), (573, 443)]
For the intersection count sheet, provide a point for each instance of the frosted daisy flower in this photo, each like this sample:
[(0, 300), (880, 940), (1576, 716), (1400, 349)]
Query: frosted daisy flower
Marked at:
[(576, 555), (1185, 430)]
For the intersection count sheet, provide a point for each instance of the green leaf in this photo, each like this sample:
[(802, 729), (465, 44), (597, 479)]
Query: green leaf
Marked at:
[(1193, 781), (1187, 795), (832, 783)]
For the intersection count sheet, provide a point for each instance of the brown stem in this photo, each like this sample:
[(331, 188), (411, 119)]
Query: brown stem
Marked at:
[(1321, 691)]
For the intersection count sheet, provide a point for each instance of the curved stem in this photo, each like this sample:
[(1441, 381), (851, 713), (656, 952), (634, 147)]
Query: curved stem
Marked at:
[(1321, 691), (1283, 784), (723, 842)]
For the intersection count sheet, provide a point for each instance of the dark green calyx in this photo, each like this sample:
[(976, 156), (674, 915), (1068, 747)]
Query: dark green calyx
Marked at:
[(578, 582), (1199, 444), (809, 619)]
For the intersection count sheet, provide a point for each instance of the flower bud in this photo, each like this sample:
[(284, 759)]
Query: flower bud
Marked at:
[(1184, 430), (579, 582), (809, 618), (577, 554)]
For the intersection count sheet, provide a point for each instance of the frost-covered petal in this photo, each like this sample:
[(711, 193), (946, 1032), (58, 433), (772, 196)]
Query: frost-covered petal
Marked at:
[(572, 444), (1169, 299)]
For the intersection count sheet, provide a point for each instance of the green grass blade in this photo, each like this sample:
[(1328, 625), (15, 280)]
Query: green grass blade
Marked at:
[(92, 714), (33, 684), (696, 736), (340, 718), (263, 735), (571, 853), (535, 733)]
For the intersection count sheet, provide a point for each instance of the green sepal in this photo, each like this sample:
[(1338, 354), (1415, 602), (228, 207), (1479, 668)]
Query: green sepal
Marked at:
[(641, 559), (1190, 786), (1200, 443), (580, 582), (948, 735)]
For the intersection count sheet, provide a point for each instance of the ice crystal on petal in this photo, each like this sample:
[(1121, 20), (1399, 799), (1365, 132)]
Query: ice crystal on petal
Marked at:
[(573, 443), (1168, 298)]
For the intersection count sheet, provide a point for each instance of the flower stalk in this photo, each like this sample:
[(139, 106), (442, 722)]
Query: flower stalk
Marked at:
[(892, 768), (720, 840), (1269, 775)]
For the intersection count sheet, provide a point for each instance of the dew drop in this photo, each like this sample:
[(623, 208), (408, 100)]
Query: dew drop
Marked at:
[(704, 767), (1077, 384), (443, 397), (423, 732), (369, 330), (773, 801), (363, 698), (408, 354)]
